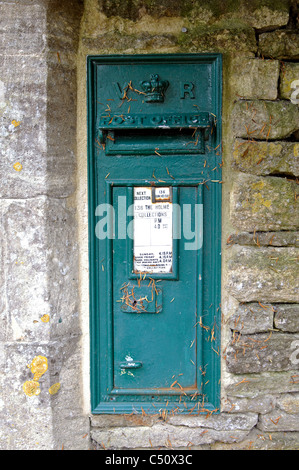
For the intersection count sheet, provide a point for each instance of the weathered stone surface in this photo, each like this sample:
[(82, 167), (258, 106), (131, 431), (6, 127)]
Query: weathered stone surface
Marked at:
[(41, 138), (22, 27), (268, 16), (36, 83), (278, 420), (3, 316), (218, 422), (257, 440), (41, 272), (23, 128), (63, 24), (26, 422), (109, 421), (165, 435), (25, 269), (39, 411), (259, 203), (261, 405), (286, 317), (114, 43), (40, 281), (71, 424), (266, 158), (288, 403), (263, 274), (283, 238), (263, 120), (61, 130), (281, 44), (254, 78), (261, 13), (252, 318), (254, 386), (263, 352), (288, 74), (219, 40)]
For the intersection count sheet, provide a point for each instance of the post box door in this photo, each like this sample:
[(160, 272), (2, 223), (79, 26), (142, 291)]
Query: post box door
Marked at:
[(154, 217), (155, 318)]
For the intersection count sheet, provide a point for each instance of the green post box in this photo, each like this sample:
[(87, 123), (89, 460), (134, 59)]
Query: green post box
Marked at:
[(154, 232)]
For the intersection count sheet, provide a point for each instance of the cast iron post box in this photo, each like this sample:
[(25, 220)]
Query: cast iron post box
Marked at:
[(155, 225)]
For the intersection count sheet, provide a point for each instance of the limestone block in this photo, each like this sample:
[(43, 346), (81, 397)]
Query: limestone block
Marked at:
[(3, 316), (283, 238), (263, 352), (26, 422), (235, 40), (286, 317), (258, 440), (22, 28), (264, 204), (118, 43), (266, 158), (62, 267), (40, 269), (280, 44), (254, 386), (252, 318), (263, 120), (70, 423), (63, 27), (218, 422), (288, 403), (25, 269), (263, 274), (169, 436), (254, 78), (278, 420), (110, 421), (37, 128), (260, 15), (61, 130), (265, 17), (261, 404), (288, 74)]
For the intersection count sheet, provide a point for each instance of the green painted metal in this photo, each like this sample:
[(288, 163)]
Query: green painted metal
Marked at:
[(154, 121)]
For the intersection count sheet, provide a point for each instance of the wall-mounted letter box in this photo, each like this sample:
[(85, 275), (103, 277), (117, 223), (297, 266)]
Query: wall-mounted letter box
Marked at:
[(154, 230)]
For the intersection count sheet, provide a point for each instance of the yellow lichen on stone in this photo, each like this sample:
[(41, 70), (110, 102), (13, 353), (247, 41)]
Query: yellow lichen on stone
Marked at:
[(45, 318), (259, 185), (15, 123), (260, 201), (31, 388), (18, 166), (54, 389), (39, 366)]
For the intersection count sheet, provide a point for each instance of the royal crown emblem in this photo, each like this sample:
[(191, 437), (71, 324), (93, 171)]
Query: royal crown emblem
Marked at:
[(154, 89)]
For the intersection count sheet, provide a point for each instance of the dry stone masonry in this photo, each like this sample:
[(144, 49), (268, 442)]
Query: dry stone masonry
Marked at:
[(43, 213)]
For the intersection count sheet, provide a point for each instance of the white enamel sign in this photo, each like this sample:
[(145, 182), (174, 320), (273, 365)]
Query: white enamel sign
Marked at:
[(152, 230)]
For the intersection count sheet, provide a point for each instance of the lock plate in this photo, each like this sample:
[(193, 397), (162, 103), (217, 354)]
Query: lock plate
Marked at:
[(141, 300)]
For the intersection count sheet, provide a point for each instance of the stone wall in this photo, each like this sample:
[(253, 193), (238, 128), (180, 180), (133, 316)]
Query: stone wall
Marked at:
[(260, 319), (39, 250), (43, 207)]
